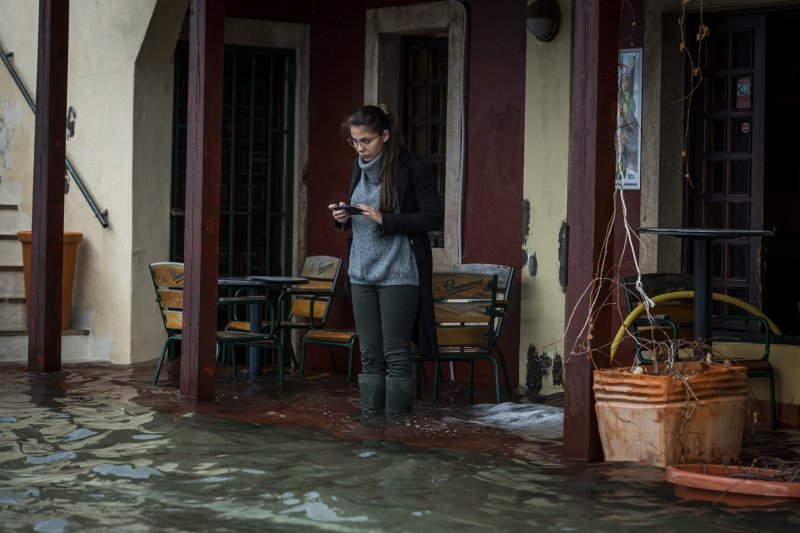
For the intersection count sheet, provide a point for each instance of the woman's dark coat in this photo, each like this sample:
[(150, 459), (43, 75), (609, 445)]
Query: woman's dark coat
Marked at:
[(420, 212)]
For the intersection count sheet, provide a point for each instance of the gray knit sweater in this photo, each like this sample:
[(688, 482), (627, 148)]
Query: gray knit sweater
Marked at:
[(375, 258)]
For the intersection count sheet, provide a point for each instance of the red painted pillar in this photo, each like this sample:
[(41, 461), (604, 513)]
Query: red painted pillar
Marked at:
[(47, 241), (589, 210), (203, 175)]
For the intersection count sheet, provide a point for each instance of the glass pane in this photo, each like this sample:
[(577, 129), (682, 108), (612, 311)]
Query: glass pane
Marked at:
[(716, 260), (439, 62), (438, 101), (419, 64), (742, 87), (737, 261), (714, 182), (714, 215), (742, 49), (736, 292), (716, 94), (739, 178), (718, 51), (717, 308), (740, 134), (419, 140), (739, 215), (419, 102), (437, 141), (715, 135)]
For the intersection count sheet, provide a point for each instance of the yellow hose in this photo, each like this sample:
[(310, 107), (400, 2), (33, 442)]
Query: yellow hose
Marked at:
[(686, 295)]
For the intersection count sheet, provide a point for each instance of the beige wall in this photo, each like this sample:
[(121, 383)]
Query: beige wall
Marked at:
[(547, 104), (105, 38), (151, 174), (785, 360)]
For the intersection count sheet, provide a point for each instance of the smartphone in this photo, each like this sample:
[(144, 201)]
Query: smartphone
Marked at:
[(350, 209)]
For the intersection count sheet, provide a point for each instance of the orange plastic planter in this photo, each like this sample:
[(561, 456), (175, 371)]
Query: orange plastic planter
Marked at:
[(662, 420), (71, 240), (734, 485)]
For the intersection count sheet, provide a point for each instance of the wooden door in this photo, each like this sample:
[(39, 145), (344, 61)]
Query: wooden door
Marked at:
[(727, 187)]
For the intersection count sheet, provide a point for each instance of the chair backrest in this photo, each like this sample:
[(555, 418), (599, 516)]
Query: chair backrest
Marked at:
[(322, 272), (168, 283), (661, 283), (465, 307), (505, 277)]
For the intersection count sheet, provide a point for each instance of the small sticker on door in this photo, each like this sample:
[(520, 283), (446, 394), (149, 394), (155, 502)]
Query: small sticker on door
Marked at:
[(745, 127), (744, 92)]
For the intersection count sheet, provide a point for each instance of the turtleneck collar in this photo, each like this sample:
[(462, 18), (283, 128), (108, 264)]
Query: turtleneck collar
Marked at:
[(371, 169)]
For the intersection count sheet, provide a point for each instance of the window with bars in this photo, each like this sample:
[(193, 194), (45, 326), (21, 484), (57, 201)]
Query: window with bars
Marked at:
[(255, 232), (424, 106)]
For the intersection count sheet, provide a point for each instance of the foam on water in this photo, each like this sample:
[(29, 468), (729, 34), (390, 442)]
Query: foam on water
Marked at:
[(528, 420)]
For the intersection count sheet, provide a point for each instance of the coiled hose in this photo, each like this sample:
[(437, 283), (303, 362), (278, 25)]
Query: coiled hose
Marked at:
[(685, 295)]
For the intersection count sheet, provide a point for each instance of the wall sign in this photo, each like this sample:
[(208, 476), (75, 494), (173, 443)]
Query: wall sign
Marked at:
[(629, 116)]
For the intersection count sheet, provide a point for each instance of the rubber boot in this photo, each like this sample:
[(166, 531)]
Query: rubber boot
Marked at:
[(372, 388), (399, 396)]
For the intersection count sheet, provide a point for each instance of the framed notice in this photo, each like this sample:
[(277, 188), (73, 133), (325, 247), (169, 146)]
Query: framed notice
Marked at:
[(629, 117)]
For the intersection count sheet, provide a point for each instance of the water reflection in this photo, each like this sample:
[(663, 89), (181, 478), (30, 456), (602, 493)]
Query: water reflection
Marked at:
[(79, 454)]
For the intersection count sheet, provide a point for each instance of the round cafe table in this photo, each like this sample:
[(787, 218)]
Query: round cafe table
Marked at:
[(260, 286), (701, 242)]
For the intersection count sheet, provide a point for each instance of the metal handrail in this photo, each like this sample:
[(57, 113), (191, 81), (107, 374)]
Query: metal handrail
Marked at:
[(101, 215)]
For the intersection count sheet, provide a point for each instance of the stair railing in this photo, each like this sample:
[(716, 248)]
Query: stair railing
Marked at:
[(101, 215)]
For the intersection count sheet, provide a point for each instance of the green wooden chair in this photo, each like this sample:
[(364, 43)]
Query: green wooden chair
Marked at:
[(168, 283), (505, 278), (467, 312)]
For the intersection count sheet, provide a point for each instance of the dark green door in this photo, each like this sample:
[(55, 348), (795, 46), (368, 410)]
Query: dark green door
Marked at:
[(255, 234)]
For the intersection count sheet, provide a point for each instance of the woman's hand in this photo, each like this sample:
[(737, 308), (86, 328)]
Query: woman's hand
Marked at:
[(339, 215), (371, 213)]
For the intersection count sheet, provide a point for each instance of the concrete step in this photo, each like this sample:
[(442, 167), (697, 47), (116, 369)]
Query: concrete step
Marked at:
[(10, 192), (74, 345), (12, 280), (10, 249), (12, 313), (10, 218)]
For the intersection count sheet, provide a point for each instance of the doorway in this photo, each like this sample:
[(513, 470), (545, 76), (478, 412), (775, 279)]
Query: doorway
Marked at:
[(782, 173), (255, 233), (745, 161)]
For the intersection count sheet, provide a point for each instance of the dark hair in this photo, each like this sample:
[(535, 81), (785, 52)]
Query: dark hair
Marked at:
[(379, 119)]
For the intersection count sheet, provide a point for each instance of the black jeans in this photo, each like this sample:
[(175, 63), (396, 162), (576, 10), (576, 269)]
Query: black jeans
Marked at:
[(385, 319)]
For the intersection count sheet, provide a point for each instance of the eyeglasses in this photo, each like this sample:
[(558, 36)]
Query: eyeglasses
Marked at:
[(363, 142)]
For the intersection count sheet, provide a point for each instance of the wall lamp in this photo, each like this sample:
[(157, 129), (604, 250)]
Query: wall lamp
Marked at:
[(543, 18)]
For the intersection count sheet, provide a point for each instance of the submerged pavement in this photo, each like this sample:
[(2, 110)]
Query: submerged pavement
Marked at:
[(329, 404), (325, 402)]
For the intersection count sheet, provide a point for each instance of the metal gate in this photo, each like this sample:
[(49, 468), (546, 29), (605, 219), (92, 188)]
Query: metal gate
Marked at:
[(255, 233)]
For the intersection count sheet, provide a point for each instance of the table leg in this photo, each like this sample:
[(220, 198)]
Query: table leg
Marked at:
[(255, 355), (702, 294)]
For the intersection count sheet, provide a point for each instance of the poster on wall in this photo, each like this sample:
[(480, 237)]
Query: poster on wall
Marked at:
[(629, 116)]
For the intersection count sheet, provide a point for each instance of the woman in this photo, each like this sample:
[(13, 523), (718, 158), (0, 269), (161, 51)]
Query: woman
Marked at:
[(390, 262)]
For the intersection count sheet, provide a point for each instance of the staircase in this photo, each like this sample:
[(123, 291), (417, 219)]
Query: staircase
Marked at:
[(13, 329)]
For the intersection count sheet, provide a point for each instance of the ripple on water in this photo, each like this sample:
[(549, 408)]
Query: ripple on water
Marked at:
[(101, 462)]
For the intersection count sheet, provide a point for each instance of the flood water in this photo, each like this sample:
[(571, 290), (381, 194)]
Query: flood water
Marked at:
[(83, 453)]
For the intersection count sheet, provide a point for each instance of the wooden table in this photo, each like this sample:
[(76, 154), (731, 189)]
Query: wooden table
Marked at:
[(260, 289)]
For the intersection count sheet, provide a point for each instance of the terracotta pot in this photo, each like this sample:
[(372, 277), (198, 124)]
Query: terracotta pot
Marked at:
[(734, 485), (664, 420), (71, 240)]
